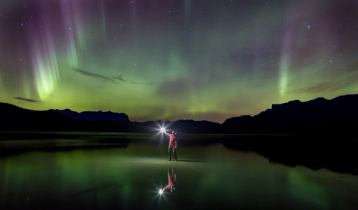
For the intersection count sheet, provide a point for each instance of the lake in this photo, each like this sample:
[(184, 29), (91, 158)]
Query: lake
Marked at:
[(205, 177)]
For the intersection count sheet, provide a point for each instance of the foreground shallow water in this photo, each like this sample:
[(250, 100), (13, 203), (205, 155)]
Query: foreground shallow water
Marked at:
[(130, 178)]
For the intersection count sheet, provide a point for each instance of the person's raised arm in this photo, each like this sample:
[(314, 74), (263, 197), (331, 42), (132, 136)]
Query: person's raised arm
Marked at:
[(166, 133)]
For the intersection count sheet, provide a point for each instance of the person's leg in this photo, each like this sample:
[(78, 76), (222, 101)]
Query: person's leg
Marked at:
[(170, 153), (175, 154)]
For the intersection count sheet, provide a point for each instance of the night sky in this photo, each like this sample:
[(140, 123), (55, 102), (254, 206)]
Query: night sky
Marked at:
[(173, 59)]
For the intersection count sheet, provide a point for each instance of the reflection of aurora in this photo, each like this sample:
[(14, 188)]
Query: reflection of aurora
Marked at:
[(307, 190), (125, 178)]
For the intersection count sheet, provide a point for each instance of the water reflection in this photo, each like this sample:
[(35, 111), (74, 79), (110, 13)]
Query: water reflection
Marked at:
[(171, 182), (131, 179)]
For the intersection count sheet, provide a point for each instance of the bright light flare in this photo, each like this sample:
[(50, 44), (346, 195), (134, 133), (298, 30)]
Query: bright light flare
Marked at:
[(160, 191), (163, 130)]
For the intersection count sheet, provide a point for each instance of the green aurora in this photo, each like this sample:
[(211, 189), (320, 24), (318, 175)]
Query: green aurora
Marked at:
[(172, 59)]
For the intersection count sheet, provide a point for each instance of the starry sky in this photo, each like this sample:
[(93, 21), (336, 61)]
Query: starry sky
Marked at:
[(176, 59)]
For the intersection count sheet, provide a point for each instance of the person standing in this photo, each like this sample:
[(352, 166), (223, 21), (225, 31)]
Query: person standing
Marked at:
[(172, 147)]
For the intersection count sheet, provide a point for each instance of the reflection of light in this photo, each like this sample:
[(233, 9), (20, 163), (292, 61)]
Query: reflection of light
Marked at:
[(162, 130), (160, 192)]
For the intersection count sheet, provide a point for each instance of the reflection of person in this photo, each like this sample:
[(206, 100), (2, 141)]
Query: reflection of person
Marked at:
[(172, 148), (172, 178)]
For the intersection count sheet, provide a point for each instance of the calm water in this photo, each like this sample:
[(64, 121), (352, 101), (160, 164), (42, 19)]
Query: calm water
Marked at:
[(130, 178)]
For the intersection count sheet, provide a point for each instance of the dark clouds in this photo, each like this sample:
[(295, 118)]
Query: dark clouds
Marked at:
[(112, 79), (27, 99)]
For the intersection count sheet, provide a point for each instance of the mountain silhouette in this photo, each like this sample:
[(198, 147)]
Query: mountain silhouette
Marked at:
[(180, 126), (295, 117), (96, 116), (317, 133), (14, 118)]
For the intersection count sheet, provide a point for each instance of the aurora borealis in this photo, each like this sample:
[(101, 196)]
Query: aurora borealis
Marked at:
[(171, 59)]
